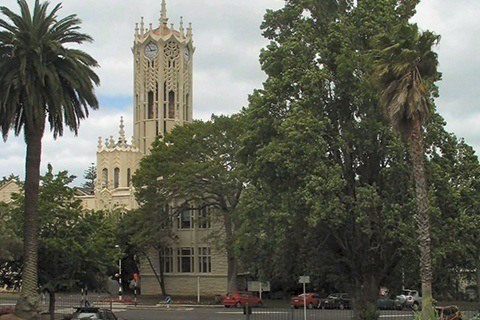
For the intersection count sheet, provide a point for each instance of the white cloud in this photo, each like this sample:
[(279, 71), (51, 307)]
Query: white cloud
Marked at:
[(228, 39)]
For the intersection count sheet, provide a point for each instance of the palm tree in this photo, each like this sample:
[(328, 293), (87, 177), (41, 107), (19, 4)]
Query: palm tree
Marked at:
[(40, 80), (406, 68)]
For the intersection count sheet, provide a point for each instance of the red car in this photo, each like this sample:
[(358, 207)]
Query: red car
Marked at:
[(312, 300), (240, 299)]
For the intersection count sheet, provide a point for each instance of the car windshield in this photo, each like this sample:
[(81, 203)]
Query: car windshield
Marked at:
[(406, 292), (85, 316)]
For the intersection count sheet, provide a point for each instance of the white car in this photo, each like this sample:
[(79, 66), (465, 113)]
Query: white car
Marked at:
[(409, 299)]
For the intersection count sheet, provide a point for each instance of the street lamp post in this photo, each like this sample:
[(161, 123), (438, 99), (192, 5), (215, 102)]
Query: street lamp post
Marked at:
[(120, 289)]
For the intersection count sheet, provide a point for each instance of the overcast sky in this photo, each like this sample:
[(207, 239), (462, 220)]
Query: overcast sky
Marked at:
[(226, 68)]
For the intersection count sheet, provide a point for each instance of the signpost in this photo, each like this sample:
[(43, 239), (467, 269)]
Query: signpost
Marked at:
[(135, 283), (168, 300), (258, 286), (303, 280)]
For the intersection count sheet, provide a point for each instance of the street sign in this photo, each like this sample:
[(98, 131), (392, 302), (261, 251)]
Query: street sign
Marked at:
[(168, 300), (304, 279), (258, 286)]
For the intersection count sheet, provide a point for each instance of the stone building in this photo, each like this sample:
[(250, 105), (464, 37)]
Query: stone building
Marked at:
[(162, 99)]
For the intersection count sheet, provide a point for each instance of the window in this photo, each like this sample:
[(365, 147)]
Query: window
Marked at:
[(116, 178), (204, 260), (166, 221), (164, 100), (203, 219), (185, 260), (171, 104), (166, 259), (105, 178), (185, 220), (129, 177), (186, 107), (150, 105)]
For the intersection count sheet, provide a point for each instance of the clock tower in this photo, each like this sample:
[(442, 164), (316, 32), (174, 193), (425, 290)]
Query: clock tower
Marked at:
[(163, 60)]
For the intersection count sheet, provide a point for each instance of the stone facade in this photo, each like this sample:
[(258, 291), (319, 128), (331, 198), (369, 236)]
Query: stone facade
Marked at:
[(163, 98), (7, 189)]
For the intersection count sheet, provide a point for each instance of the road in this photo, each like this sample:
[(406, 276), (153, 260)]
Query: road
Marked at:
[(187, 313)]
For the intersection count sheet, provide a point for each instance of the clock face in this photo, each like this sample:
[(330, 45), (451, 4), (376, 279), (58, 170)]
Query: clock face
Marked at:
[(151, 50), (186, 54)]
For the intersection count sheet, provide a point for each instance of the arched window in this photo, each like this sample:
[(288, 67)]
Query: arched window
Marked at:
[(129, 177), (116, 178), (171, 104), (150, 104), (105, 178)]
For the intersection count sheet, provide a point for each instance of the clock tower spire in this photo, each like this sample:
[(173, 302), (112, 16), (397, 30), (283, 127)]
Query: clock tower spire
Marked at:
[(163, 15), (163, 86)]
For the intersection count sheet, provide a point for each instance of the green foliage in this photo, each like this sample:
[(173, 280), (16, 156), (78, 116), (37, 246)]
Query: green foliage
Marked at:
[(324, 163), (54, 81), (90, 176), (76, 247), (11, 243), (195, 167), (42, 80)]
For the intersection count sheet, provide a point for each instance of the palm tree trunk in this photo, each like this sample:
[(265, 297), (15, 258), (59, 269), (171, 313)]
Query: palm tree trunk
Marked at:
[(422, 217), (27, 306)]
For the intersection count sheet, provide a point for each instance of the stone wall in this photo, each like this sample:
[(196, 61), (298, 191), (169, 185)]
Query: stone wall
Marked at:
[(186, 284)]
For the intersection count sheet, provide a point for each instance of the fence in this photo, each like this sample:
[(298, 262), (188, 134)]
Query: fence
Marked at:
[(320, 314), (68, 304)]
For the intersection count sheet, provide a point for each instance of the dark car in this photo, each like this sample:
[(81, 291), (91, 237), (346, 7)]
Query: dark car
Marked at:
[(93, 313), (388, 303), (336, 301), (449, 313)]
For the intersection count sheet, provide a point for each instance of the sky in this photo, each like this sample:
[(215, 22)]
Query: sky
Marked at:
[(228, 40)]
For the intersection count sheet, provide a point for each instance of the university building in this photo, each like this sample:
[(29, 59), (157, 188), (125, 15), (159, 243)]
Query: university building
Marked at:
[(162, 98)]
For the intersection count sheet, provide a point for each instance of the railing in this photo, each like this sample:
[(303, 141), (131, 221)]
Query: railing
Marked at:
[(66, 304), (320, 314)]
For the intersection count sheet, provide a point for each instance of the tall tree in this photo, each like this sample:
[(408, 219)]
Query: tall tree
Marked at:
[(196, 167), (42, 80), (90, 176), (75, 246), (319, 149), (406, 68)]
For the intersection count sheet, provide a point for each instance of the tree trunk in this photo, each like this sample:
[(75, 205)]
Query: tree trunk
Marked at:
[(422, 217), (27, 306), (51, 304), (364, 302), (477, 276), (232, 264), (160, 279)]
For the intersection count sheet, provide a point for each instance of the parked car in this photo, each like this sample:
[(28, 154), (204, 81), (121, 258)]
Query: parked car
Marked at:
[(240, 299), (388, 303), (92, 313), (409, 299), (449, 313), (312, 300), (336, 301)]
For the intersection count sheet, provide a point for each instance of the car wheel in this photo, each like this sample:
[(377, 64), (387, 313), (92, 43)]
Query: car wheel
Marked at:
[(322, 306), (260, 304), (238, 304), (310, 305), (227, 306), (415, 307), (341, 306)]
